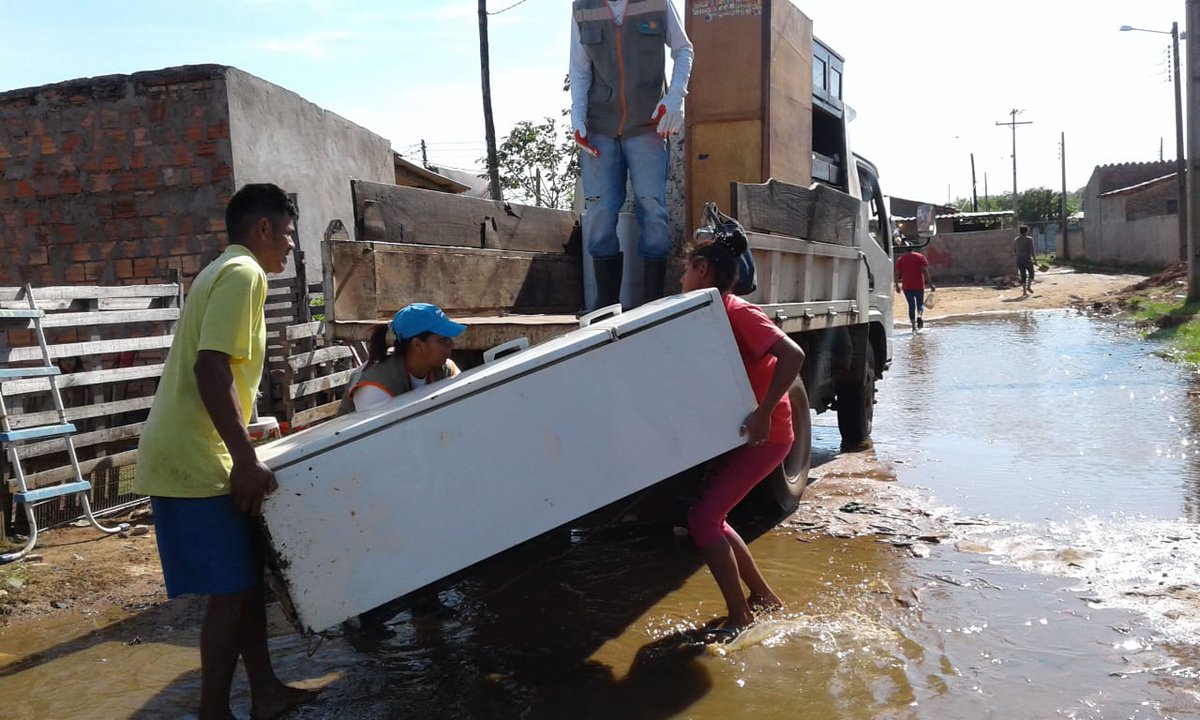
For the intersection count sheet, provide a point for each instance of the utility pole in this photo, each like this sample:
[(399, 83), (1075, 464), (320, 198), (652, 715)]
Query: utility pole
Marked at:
[(1013, 124), (424, 155), (1193, 138), (1180, 161), (974, 187), (489, 126), (986, 200), (1062, 200)]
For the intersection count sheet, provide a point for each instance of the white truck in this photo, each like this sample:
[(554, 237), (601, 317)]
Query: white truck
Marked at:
[(767, 140)]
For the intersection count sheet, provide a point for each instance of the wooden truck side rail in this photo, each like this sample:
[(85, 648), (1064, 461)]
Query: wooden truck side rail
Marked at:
[(505, 270)]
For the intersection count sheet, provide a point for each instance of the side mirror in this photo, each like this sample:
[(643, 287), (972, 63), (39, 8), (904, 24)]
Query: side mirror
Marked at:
[(926, 221)]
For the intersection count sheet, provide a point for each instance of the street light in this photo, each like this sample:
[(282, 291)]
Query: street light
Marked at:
[(1180, 165)]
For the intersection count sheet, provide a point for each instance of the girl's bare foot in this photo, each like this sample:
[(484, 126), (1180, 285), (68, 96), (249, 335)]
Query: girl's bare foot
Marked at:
[(738, 621), (280, 702), (764, 603)]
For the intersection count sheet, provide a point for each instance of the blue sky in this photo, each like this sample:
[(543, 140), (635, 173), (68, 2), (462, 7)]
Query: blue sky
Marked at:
[(928, 78)]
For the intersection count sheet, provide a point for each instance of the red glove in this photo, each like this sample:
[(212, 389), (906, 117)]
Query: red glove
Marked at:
[(586, 146)]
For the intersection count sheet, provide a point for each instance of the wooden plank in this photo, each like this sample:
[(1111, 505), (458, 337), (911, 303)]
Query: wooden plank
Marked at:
[(318, 356), (86, 468), (305, 330), (42, 305), (774, 207), (393, 213), (834, 217), (311, 416), (80, 379), (329, 382), (386, 276), (87, 292), (109, 317), (137, 303), (82, 440), (82, 412), (99, 347)]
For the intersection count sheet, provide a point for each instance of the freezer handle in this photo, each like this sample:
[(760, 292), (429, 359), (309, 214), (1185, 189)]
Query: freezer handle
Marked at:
[(601, 314), (504, 349)]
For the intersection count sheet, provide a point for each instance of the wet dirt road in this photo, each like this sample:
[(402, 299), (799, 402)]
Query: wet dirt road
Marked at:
[(1057, 454)]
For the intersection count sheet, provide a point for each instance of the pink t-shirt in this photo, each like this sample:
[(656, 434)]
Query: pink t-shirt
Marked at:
[(755, 335)]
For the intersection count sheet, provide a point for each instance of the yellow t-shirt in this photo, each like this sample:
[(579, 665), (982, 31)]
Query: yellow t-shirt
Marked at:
[(180, 453)]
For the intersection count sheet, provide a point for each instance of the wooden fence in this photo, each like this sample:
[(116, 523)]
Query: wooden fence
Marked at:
[(110, 343), (307, 373)]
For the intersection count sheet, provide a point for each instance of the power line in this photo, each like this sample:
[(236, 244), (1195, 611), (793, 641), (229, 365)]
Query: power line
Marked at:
[(510, 7)]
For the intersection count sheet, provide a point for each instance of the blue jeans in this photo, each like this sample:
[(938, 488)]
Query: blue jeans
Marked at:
[(916, 303), (644, 158)]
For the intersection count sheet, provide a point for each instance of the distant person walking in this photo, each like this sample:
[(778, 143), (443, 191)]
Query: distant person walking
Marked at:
[(912, 276), (1023, 247)]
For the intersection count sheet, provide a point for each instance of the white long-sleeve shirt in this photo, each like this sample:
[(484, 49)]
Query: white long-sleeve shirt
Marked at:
[(682, 55)]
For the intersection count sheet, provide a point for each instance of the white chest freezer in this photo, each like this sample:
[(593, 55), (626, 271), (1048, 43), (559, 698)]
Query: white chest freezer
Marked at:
[(376, 504)]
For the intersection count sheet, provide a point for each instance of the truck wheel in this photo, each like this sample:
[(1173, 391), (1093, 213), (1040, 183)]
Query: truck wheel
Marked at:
[(787, 482), (856, 405)]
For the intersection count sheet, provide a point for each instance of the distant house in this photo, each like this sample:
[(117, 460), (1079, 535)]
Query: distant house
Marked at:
[(1131, 215)]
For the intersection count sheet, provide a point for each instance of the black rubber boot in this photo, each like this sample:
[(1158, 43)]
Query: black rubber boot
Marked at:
[(654, 274), (608, 279)]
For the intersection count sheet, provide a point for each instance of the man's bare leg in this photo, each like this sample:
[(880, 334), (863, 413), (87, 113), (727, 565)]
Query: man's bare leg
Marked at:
[(269, 697), (761, 594), (220, 646)]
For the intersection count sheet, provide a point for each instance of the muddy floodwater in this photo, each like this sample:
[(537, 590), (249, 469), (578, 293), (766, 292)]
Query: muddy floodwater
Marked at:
[(1058, 454)]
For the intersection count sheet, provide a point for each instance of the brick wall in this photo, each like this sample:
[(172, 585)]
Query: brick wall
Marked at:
[(971, 255), (114, 180)]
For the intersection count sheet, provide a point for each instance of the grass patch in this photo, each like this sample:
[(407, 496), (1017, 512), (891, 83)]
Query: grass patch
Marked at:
[(1174, 322)]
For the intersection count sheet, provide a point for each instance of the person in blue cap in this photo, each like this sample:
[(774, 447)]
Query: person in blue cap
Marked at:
[(422, 340)]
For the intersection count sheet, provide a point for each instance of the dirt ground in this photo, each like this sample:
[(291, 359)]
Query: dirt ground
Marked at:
[(79, 570)]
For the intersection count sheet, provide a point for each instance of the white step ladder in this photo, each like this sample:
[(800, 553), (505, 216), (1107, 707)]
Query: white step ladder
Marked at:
[(11, 439)]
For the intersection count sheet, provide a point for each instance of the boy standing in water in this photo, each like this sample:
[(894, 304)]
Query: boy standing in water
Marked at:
[(1023, 247)]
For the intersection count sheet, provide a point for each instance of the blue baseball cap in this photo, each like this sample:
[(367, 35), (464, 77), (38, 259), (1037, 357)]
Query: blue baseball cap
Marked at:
[(414, 319)]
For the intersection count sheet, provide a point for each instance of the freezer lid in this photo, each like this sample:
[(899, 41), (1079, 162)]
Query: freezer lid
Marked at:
[(659, 311), (312, 441)]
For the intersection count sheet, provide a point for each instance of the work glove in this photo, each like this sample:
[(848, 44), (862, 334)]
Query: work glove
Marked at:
[(582, 141), (669, 115)]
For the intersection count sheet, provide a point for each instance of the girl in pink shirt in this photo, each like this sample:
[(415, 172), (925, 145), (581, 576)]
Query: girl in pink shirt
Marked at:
[(772, 362)]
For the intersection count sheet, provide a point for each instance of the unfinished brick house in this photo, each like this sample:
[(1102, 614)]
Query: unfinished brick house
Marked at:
[(123, 179)]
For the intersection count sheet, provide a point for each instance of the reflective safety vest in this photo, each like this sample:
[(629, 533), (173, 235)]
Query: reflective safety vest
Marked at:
[(628, 64)]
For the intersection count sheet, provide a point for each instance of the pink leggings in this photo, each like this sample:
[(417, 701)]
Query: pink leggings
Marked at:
[(731, 477)]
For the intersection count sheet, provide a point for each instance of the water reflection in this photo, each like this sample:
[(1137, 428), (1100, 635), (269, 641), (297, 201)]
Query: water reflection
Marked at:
[(1040, 415)]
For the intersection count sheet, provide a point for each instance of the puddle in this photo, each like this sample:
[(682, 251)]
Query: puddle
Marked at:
[(1071, 600)]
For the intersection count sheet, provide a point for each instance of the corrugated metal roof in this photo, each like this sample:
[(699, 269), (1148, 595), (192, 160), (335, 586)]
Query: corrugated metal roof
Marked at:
[(966, 215), (1139, 186)]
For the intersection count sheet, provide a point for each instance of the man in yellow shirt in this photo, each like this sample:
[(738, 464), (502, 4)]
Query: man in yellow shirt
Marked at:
[(198, 465)]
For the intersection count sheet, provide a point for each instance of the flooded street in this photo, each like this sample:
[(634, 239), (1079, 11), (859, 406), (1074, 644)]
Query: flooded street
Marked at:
[(1058, 451)]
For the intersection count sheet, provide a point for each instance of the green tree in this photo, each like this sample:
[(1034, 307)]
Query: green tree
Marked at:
[(1042, 204), (539, 164)]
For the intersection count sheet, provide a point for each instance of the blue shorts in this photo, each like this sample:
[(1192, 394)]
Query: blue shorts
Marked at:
[(207, 546)]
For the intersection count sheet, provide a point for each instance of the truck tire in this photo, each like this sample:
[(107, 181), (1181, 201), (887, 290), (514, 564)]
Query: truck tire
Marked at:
[(856, 403), (787, 482)]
